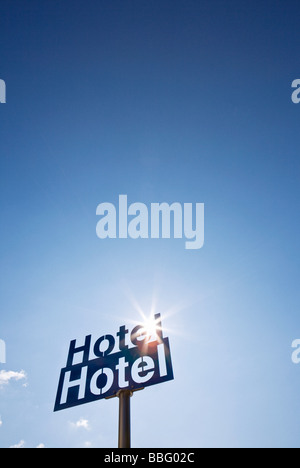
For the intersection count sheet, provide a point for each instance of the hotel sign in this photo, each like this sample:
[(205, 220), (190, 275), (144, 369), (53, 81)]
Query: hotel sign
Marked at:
[(109, 364)]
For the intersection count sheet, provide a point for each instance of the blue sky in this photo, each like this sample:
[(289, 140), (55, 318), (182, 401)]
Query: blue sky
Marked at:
[(169, 101)]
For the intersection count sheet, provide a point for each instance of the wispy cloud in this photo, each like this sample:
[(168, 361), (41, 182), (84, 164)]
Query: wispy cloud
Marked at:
[(82, 423), (20, 445), (7, 376)]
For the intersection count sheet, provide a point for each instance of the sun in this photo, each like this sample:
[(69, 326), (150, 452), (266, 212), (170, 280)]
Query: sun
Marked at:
[(152, 327)]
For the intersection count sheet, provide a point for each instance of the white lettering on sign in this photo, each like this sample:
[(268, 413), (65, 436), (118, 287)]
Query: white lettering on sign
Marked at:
[(79, 383), (99, 369)]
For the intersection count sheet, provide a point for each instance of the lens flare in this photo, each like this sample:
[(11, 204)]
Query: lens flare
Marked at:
[(152, 327)]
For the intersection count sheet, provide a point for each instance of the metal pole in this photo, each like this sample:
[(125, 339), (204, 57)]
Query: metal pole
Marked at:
[(124, 418)]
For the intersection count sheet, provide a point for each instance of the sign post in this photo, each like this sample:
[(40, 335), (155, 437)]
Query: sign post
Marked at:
[(124, 419), (115, 367)]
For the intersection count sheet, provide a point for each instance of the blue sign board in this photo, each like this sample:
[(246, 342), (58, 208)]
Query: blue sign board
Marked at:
[(140, 362)]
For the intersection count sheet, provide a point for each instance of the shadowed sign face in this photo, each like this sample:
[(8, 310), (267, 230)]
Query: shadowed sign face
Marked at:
[(142, 361)]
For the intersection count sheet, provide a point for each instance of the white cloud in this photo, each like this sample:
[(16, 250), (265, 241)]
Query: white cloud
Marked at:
[(7, 376), (1, 422), (20, 445), (82, 423)]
